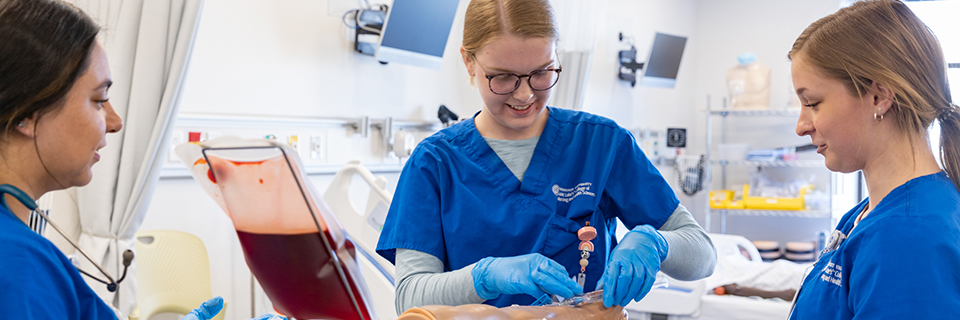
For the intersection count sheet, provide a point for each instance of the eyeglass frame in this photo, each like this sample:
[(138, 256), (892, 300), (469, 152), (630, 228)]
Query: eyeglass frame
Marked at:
[(519, 78)]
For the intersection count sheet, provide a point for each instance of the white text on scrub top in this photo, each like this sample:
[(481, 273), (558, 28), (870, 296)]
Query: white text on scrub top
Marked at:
[(832, 273), (567, 195)]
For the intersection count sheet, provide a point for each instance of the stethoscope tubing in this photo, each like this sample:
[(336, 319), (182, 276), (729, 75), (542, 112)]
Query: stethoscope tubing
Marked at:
[(79, 249), (32, 206)]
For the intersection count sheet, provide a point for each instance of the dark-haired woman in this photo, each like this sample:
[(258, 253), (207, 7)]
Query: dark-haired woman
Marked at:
[(55, 113)]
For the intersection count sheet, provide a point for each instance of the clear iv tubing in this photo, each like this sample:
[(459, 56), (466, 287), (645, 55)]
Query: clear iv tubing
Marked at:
[(591, 297)]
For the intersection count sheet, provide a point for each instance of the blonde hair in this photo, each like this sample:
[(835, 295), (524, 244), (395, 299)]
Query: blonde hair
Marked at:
[(883, 41), (487, 19)]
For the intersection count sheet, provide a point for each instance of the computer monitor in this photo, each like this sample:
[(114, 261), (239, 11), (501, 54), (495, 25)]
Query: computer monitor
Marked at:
[(416, 31), (663, 64)]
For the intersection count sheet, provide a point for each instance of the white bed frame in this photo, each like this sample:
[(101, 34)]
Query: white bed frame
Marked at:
[(691, 299), (364, 230)]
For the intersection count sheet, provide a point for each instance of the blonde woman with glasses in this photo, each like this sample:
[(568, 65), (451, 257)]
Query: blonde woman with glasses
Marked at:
[(520, 201)]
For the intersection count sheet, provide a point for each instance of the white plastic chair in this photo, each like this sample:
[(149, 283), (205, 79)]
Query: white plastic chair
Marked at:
[(173, 273)]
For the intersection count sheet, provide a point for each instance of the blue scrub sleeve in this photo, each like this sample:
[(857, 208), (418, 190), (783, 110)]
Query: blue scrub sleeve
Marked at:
[(413, 220), (906, 273), (35, 283), (636, 192)]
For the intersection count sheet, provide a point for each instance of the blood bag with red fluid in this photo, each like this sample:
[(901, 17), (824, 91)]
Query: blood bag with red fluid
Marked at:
[(291, 241)]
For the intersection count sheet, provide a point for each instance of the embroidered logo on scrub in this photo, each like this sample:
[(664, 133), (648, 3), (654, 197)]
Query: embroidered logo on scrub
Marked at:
[(832, 273), (567, 195)]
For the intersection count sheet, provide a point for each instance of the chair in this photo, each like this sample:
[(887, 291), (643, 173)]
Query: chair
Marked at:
[(173, 273)]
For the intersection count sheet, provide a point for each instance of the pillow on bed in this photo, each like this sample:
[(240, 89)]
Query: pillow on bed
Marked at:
[(734, 247), (749, 269)]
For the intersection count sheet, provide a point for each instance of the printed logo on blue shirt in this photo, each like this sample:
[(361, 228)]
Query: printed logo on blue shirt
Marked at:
[(567, 195), (832, 273)]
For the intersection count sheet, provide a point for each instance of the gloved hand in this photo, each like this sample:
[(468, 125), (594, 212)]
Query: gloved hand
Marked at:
[(633, 266), (211, 308), (206, 310), (531, 274)]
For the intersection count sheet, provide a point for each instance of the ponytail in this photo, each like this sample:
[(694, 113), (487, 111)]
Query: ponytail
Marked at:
[(950, 142)]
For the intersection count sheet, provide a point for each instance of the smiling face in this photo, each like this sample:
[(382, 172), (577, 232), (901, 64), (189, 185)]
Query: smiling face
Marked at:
[(518, 115), (69, 137), (839, 123)]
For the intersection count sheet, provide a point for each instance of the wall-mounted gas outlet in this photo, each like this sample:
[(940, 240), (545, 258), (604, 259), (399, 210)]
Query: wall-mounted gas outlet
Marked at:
[(176, 138), (318, 147)]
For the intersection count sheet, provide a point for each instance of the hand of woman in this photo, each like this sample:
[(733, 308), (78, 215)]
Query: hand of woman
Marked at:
[(532, 274), (207, 310), (212, 307), (633, 266)]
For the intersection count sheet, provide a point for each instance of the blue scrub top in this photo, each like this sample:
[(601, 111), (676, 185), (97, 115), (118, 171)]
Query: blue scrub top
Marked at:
[(38, 282), (459, 202), (901, 262)]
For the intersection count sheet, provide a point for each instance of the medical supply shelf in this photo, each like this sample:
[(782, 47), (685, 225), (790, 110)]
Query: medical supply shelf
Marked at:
[(816, 214), (723, 163), (773, 164), (757, 113), (776, 213)]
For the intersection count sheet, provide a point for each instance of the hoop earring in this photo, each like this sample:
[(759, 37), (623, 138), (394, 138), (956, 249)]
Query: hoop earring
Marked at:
[(877, 115)]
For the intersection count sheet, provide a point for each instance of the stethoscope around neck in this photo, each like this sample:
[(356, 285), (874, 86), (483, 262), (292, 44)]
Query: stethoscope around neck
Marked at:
[(32, 206)]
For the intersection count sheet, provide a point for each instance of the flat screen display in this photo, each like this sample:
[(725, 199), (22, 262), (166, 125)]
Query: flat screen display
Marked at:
[(416, 31), (663, 64)]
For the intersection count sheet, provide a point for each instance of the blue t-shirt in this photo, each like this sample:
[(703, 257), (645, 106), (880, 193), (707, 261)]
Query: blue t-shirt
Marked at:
[(458, 201), (902, 261), (38, 282)]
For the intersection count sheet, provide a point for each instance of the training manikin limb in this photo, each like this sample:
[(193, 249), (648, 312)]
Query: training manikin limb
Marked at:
[(737, 290), (594, 310), (291, 241)]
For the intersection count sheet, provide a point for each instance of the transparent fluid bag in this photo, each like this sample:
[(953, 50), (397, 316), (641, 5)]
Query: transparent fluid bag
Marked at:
[(291, 241)]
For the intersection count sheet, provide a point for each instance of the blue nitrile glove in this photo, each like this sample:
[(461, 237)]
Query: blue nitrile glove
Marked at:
[(633, 266), (531, 274), (206, 310), (267, 316)]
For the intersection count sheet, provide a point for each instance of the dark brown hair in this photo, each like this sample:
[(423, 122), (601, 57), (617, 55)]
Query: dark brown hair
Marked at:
[(44, 48)]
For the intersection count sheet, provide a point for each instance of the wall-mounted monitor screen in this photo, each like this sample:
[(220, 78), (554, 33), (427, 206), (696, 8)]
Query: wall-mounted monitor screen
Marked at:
[(416, 31), (663, 64)]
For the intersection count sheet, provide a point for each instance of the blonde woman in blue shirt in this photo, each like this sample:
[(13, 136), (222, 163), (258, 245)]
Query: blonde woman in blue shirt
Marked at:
[(488, 210), (872, 79)]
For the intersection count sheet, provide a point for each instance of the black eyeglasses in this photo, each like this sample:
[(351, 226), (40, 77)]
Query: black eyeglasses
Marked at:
[(507, 83)]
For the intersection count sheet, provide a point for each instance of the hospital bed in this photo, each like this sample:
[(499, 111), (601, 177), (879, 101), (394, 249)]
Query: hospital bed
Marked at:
[(694, 300), (364, 228)]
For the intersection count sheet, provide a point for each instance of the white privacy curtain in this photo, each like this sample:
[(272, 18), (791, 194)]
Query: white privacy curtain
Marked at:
[(577, 20), (148, 44)]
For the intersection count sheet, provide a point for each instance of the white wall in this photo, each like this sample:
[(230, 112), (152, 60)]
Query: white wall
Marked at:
[(291, 58), (766, 28)]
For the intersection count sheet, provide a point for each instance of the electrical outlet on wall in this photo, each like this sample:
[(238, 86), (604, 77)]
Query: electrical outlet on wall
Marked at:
[(318, 147), (176, 138)]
